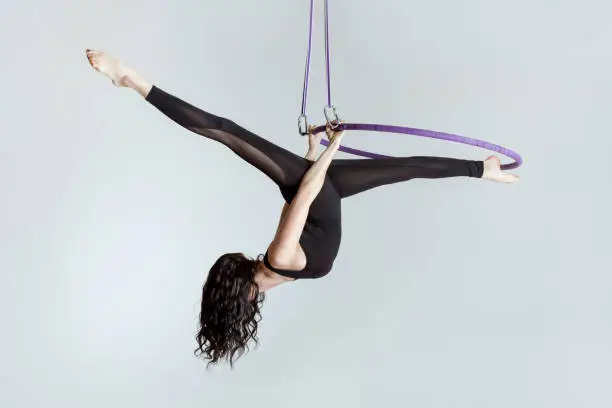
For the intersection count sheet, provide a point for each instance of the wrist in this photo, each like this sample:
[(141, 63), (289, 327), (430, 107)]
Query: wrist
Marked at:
[(311, 154), (334, 144)]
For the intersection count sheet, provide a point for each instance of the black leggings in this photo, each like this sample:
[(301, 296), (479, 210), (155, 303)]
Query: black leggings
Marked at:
[(344, 177)]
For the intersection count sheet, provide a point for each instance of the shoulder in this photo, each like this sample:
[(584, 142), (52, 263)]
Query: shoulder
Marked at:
[(281, 257)]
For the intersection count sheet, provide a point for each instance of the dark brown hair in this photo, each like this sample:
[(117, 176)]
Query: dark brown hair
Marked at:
[(230, 309)]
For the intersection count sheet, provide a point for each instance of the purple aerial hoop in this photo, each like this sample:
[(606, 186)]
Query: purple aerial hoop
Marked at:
[(332, 119)]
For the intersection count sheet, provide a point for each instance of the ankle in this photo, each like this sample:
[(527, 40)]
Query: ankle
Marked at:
[(134, 81)]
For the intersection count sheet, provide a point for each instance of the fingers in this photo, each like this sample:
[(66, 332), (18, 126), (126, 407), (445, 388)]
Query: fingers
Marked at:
[(328, 130), (334, 135), (312, 134)]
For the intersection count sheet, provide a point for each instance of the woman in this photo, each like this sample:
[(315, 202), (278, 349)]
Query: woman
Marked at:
[(309, 231)]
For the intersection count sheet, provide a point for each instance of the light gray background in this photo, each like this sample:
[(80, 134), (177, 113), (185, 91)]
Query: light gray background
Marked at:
[(446, 293)]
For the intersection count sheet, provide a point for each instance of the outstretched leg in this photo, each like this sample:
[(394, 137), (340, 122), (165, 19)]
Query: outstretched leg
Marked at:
[(355, 176), (283, 167)]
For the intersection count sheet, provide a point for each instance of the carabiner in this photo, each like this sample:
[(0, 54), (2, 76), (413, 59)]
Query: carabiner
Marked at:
[(335, 118), (303, 125)]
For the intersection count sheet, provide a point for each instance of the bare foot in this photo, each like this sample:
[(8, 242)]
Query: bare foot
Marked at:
[(492, 171), (118, 73), (109, 66)]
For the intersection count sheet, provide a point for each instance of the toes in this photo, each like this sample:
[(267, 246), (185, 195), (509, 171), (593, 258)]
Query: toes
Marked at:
[(92, 53)]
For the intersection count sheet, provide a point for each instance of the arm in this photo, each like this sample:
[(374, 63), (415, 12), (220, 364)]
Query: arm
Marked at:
[(311, 155), (282, 217), (285, 246)]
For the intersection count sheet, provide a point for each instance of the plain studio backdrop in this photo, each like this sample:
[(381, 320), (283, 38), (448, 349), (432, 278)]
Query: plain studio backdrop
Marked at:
[(446, 293)]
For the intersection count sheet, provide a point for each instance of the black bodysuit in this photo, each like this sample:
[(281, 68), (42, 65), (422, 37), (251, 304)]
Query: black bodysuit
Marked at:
[(320, 239)]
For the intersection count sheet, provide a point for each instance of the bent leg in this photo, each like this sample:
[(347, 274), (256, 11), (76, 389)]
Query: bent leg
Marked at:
[(355, 176), (282, 166)]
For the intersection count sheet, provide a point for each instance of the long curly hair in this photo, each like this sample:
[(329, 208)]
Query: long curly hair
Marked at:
[(230, 309)]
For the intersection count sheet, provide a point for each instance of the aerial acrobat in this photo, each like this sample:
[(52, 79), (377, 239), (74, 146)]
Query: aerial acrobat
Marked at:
[(308, 235)]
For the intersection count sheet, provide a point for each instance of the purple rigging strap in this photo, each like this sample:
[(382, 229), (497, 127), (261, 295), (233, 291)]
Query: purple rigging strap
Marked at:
[(302, 120), (327, 53), (307, 70)]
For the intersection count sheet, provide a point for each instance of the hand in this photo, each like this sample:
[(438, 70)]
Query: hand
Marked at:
[(334, 136), (313, 140)]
